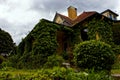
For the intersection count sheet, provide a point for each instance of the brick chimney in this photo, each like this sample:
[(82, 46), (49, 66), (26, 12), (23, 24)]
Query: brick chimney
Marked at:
[(72, 12)]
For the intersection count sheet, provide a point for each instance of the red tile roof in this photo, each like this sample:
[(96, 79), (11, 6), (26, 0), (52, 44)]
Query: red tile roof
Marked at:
[(83, 16), (79, 18), (65, 18)]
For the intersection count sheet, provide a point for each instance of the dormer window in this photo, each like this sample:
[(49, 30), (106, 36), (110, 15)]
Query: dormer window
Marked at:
[(110, 14), (115, 18)]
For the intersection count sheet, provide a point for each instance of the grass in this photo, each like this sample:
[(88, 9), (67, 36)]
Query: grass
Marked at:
[(115, 71), (47, 74), (16, 74)]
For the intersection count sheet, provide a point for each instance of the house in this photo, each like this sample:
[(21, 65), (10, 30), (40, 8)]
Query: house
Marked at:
[(60, 35), (77, 22), (110, 14), (72, 18)]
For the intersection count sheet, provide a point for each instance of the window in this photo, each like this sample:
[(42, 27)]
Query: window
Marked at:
[(85, 30), (84, 35), (110, 16), (114, 18)]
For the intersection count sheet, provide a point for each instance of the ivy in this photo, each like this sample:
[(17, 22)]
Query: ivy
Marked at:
[(100, 28), (40, 43), (116, 33), (75, 37)]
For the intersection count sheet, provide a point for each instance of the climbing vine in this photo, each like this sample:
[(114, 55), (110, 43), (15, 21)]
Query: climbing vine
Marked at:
[(40, 43), (100, 28), (116, 33)]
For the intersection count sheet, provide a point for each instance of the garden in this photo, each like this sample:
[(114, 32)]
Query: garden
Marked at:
[(36, 57)]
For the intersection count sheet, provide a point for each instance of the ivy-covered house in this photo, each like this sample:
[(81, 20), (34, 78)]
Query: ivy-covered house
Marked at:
[(88, 25), (61, 34)]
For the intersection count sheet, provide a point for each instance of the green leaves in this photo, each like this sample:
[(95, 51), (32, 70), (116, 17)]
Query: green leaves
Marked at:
[(116, 33), (40, 43), (6, 42), (94, 54), (103, 28)]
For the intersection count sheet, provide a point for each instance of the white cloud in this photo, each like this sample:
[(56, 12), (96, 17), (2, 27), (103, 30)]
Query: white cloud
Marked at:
[(18, 17)]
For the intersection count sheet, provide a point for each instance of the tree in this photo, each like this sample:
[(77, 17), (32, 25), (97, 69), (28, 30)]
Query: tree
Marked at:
[(6, 42)]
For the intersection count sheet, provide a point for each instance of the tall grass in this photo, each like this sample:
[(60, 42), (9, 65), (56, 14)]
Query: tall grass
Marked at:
[(56, 73)]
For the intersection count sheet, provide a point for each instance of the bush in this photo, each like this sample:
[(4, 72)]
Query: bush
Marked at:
[(31, 61), (39, 44), (116, 33), (54, 60), (95, 55), (1, 59)]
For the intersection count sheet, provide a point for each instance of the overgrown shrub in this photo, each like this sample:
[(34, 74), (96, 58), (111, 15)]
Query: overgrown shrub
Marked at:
[(1, 59), (117, 63), (65, 55), (95, 55), (116, 49), (31, 61), (54, 60), (116, 33), (39, 44)]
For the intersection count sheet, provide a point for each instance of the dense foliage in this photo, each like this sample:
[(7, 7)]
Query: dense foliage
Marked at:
[(38, 50), (100, 28), (56, 73), (116, 33), (40, 43), (54, 60), (6, 42), (94, 55)]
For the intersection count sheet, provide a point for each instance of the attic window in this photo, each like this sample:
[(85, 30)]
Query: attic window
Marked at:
[(110, 16), (114, 18)]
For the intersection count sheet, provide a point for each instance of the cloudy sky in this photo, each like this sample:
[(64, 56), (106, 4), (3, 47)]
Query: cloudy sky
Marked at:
[(18, 17)]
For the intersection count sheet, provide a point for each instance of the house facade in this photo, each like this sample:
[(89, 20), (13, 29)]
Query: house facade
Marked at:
[(77, 23)]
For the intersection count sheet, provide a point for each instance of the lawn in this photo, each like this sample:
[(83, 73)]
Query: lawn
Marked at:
[(115, 71), (48, 74), (16, 74)]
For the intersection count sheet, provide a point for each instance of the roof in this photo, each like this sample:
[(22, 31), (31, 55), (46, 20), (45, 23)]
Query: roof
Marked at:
[(65, 18), (108, 10), (80, 18), (83, 16)]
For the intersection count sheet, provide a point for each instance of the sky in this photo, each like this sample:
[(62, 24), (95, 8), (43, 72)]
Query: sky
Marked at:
[(18, 17)]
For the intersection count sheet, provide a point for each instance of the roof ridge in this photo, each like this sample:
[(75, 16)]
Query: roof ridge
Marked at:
[(79, 18), (83, 16), (63, 15)]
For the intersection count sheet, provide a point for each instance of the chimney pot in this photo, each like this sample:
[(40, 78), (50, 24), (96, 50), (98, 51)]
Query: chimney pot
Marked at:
[(72, 12)]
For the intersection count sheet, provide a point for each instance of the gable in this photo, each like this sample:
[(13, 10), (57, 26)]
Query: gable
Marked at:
[(58, 19), (61, 19)]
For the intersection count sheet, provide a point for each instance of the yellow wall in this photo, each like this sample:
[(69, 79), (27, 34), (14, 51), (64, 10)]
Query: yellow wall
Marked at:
[(58, 20), (107, 14), (72, 12)]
